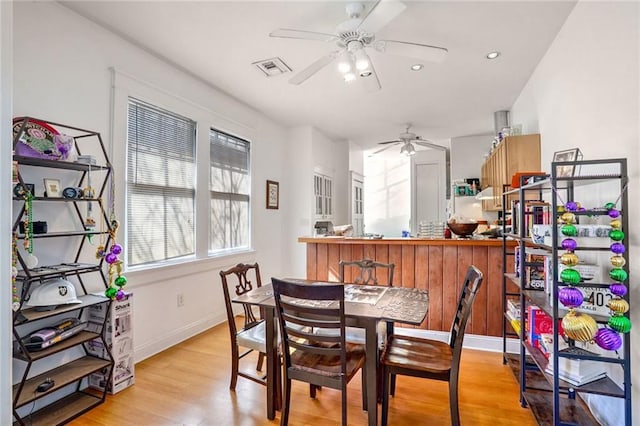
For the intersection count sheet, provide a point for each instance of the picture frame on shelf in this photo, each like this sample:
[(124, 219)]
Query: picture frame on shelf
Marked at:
[(568, 155), (52, 188), (273, 195)]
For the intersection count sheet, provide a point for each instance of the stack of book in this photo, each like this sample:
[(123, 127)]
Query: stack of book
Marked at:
[(513, 314), (577, 372)]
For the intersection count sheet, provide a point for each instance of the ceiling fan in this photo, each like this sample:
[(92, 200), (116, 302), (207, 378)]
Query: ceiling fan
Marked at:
[(354, 37), (408, 139)]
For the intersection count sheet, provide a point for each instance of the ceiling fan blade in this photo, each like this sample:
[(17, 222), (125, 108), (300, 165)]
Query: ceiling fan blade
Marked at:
[(381, 149), (412, 50), (388, 142), (371, 82), (302, 34), (314, 68), (430, 145), (381, 14)]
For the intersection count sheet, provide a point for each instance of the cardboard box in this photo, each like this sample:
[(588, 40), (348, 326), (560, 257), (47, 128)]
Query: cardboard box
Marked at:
[(118, 335)]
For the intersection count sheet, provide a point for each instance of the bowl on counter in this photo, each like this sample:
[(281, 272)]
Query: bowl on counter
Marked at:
[(462, 229)]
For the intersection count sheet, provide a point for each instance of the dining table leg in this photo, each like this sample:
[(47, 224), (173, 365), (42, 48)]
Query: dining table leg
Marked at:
[(371, 363), (273, 378)]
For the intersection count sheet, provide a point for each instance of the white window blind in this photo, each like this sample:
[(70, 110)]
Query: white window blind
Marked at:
[(230, 187), (161, 165)]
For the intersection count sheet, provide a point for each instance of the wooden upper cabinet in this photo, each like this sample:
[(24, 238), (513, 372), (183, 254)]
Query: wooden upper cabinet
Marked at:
[(514, 154)]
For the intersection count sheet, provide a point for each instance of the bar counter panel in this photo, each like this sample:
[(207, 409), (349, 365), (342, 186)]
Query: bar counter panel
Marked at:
[(438, 266)]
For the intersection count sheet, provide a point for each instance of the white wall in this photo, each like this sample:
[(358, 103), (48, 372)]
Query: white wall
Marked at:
[(64, 76), (6, 336), (585, 93)]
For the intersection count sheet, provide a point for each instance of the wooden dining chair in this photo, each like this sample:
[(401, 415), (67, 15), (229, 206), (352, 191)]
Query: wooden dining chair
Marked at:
[(251, 337), (325, 360), (369, 272), (366, 272), (432, 359)]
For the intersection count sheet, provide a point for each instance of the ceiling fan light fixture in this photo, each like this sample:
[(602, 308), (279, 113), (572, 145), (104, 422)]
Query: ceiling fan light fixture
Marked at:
[(362, 60), (408, 149), (349, 77)]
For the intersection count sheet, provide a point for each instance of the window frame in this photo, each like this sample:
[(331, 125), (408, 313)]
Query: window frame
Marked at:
[(124, 86)]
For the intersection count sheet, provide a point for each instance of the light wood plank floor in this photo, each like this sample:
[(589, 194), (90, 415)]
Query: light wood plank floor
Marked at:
[(188, 384)]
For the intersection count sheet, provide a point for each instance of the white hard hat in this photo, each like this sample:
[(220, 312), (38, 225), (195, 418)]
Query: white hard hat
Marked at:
[(52, 293)]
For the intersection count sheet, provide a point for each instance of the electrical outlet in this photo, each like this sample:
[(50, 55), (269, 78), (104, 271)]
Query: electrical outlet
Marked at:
[(180, 300)]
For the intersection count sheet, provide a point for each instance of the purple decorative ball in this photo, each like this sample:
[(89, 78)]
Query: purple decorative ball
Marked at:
[(569, 244), (572, 206), (116, 249), (111, 258), (608, 339), (120, 295), (570, 297), (613, 213), (617, 248), (618, 289)]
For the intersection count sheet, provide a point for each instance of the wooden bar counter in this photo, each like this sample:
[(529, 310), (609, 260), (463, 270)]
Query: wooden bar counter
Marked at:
[(435, 265)]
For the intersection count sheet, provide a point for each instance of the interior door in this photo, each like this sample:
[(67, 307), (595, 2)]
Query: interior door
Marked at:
[(429, 188), (357, 204)]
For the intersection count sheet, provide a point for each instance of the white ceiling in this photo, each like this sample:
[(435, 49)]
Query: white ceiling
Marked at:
[(218, 41)]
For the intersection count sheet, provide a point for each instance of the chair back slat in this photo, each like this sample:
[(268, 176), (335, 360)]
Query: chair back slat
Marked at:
[(368, 272), (316, 306), (242, 278), (470, 287)]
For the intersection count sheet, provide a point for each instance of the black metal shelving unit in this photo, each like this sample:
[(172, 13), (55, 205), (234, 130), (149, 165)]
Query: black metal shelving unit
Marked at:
[(552, 400), (69, 396)]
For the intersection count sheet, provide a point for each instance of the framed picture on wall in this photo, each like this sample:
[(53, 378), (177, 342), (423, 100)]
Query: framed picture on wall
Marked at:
[(568, 155), (273, 194)]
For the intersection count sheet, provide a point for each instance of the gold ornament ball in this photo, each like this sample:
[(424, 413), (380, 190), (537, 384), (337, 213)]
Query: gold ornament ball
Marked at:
[(619, 306), (568, 217), (617, 261), (569, 259), (616, 224), (579, 327)]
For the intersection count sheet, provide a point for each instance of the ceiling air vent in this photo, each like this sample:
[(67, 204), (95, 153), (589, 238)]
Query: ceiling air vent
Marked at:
[(273, 66)]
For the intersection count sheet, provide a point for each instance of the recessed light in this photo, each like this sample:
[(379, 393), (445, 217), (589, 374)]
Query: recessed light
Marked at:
[(366, 73), (416, 67), (493, 55)]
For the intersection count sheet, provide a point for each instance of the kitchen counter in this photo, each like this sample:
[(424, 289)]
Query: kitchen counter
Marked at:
[(436, 265), (476, 241)]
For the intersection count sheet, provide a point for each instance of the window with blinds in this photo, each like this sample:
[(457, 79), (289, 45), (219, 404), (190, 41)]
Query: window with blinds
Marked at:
[(230, 187), (161, 164)]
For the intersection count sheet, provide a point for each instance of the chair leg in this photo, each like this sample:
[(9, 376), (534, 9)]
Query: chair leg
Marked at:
[(453, 402), (385, 395), (284, 419), (234, 367), (260, 361)]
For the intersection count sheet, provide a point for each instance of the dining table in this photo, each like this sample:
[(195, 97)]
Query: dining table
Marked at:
[(365, 307)]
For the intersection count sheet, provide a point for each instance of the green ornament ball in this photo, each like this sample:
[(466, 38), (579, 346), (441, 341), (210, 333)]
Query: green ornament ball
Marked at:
[(570, 276), (610, 206), (618, 274), (616, 235), (111, 292), (120, 281), (620, 323), (569, 230)]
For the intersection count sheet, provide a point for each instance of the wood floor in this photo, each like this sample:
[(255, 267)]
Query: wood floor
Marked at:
[(189, 385)]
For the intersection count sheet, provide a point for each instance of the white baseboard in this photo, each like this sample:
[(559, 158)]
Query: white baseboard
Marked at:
[(471, 341)]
